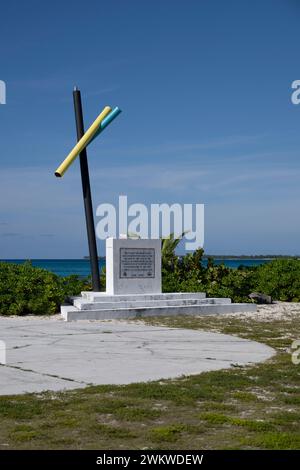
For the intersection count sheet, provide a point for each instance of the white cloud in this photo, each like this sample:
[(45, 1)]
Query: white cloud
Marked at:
[(36, 205)]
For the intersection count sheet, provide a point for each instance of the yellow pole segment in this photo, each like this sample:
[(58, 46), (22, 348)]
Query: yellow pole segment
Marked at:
[(82, 143)]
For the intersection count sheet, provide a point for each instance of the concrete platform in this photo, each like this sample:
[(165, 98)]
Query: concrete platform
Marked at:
[(50, 354), (104, 297), (103, 306)]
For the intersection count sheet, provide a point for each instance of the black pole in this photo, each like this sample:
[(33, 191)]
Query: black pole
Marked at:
[(86, 190)]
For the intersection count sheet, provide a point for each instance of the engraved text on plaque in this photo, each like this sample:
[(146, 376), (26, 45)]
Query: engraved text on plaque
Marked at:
[(137, 263)]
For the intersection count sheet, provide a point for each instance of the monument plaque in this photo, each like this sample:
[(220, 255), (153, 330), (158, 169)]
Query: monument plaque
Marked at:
[(137, 263)]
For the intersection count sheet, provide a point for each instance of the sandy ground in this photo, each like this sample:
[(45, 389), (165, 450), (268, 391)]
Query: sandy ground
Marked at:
[(275, 311)]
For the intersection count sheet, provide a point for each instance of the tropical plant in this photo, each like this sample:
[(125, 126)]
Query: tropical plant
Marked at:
[(168, 247)]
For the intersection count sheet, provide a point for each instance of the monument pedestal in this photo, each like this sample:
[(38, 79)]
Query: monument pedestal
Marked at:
[(133, 266), (133, 288)]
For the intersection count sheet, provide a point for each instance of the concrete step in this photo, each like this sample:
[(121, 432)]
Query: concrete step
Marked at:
[(71, 313), (104, 297), (83, 304)]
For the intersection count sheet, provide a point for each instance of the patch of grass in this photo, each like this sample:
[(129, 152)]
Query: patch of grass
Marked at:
[(67, 422), (23, 433), (214, 418), (254, 407), (251, 425), (216, 406), (164, 390), (245, 396), (274, 441), (137, 414), (23, 407), (167, 433), (111, 405), (113, 431), (126, 409), (291, 400)]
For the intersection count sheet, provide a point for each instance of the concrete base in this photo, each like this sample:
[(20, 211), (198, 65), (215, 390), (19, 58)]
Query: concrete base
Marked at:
[(103, 306), (50, 354)]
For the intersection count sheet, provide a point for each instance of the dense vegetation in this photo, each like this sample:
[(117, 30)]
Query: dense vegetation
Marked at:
[(279, 278), (25, 289)]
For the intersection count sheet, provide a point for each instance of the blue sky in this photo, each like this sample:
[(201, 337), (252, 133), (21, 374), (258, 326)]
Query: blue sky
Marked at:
[(205, 89)]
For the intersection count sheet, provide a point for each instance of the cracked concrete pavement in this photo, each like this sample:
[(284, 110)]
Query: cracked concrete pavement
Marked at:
[(50, 354)]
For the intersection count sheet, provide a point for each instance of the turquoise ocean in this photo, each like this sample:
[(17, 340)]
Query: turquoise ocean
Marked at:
[(81, 267)]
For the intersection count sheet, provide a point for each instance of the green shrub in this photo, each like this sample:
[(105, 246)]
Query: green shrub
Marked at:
[(25, 289), (236, 284), (280, 279), (187, 274)]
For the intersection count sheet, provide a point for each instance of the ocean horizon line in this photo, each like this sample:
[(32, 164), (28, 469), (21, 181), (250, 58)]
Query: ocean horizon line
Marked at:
[(86, 258)]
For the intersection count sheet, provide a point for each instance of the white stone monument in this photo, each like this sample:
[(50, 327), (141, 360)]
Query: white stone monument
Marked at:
[(133, 288), (133, 266)]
